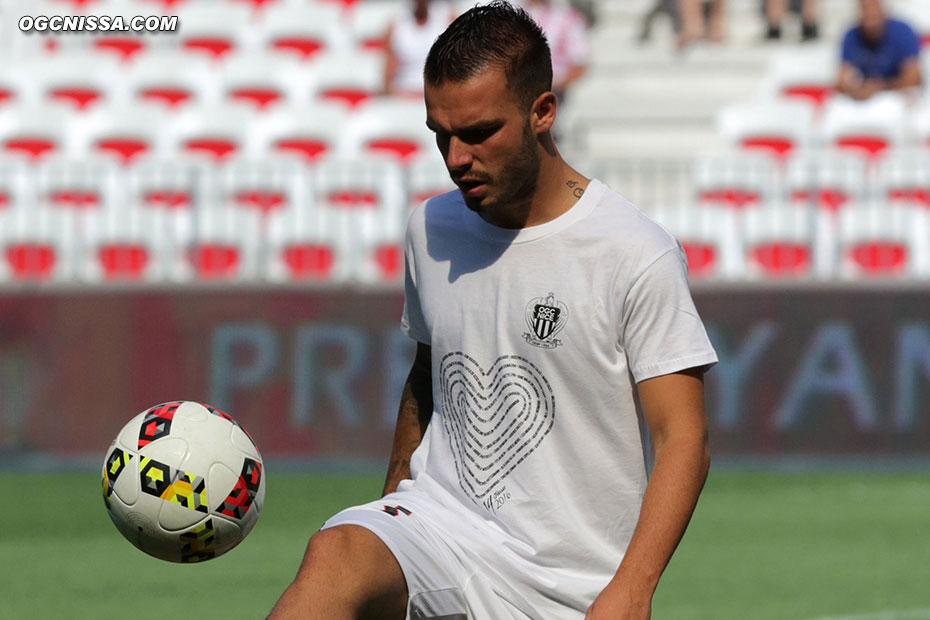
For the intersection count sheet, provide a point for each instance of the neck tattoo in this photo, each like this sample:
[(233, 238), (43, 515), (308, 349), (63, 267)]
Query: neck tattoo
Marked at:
[(578, 191)]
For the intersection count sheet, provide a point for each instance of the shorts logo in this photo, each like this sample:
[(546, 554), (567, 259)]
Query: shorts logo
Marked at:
[(545, 318)]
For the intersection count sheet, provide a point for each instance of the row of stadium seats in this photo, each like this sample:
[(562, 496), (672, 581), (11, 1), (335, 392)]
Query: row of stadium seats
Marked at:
[(871, 128), (332, 245), (393, 127), (828, 179), (169, 78), (777, 242), (342, 220)]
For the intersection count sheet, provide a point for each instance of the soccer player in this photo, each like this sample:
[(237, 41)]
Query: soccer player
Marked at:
[(549, 314)]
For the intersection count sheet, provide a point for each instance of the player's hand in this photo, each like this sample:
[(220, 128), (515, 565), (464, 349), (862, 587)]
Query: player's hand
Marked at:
[(617, 602)]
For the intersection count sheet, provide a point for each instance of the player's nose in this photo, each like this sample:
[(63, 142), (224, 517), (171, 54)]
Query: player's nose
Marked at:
[(458, 155)]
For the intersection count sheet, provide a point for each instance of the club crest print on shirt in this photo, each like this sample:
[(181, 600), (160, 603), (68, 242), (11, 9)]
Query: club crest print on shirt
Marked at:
[(545, 318), (494, 417)]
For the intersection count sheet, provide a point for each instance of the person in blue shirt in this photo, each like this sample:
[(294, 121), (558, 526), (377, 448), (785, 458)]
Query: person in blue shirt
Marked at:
[(879, 53)]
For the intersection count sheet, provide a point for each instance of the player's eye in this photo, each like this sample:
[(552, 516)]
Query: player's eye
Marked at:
[(479, 135)]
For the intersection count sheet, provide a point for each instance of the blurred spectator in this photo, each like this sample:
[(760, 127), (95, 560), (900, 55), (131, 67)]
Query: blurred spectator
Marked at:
[(879, 53), (408, 40), (661, 7), (567, 32), (775, 11), (700, 20)]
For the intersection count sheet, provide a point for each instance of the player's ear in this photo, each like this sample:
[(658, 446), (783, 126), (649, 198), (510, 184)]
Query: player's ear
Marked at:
[(542, 114)]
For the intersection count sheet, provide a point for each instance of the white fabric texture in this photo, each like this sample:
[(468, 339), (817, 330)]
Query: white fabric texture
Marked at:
[(538, 336)]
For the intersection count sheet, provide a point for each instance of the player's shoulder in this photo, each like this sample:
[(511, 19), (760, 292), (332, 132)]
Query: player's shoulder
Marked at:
[(442, 210), (617, 218)]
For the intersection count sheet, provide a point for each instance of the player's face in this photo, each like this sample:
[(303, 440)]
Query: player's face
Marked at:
[(486, 140)]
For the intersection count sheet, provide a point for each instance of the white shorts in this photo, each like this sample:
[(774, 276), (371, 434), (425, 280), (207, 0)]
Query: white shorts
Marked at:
[(444, 581)]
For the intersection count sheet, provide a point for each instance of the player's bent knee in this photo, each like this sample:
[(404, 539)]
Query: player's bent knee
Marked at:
[(349, 563)]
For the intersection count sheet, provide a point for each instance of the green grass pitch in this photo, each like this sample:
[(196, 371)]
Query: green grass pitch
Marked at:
[(761, 546)]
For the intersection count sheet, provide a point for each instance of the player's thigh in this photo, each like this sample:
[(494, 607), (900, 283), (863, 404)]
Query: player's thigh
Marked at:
[(352, 564)]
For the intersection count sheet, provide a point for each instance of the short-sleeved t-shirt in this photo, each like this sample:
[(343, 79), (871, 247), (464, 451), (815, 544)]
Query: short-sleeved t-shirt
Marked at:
[(883, 59), (538, 337)]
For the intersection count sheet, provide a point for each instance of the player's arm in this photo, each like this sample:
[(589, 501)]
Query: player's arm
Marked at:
[(673, 406), (416, 409)]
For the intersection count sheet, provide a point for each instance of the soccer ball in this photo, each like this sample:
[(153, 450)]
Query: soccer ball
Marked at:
[(183, 482)]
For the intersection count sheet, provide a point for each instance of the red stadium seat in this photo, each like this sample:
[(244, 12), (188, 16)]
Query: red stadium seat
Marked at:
[(306, 132), (772, 127), (709, 236), (125, 47), (392, 127), (213, 134), (309, 261), (214, 30), (826, 179), (80, 79), (878, 240), (304, 32), (264, 185), (351, 88), (123, 134), (869, 128), (904, 177), (805, 74), (123, 261), (213, 261), (427, 177), (34, 132), (171, 79), (265, 81), (31, 260), (736, 180), (782, 241)]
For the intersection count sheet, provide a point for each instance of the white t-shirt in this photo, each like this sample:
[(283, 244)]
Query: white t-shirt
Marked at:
[(538, 336)]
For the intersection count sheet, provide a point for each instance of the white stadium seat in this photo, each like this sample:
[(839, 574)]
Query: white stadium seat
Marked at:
[(171, 78), (710, 237), (806, 74), (306, 132), (826, 179), (214, 29), (351, 88), (904, 177), (879, 240), (392, 127), (212, 133), (264, 185), (781, 241), (772, 126), (303, 31), (264, 81), (32, 132), (735, 180), (869, 127)]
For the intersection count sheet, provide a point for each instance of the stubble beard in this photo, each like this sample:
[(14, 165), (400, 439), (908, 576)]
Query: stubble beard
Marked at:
[(517, 181)]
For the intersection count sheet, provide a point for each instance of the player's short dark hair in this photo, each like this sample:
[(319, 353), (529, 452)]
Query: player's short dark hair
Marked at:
[(497, 34)]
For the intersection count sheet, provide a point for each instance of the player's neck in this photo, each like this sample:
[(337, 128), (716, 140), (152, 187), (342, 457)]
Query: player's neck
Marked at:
[(558, 189)]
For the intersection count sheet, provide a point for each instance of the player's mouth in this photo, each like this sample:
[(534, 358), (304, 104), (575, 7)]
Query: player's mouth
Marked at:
[(471, 187)]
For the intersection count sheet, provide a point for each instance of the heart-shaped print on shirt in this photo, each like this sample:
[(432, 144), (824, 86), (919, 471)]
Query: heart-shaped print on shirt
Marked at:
[(493, 418)]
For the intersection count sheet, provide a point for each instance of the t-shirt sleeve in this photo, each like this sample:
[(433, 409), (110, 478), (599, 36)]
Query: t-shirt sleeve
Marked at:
[(661, 332), (412, 322), (909, 42)]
